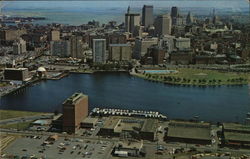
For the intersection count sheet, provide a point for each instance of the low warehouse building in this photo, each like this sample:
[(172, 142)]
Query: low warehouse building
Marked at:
[(125, 149), (89, 122), (16, 74), (236, 135), (136, 128), (188, 132), (148, 130), (109, 126)]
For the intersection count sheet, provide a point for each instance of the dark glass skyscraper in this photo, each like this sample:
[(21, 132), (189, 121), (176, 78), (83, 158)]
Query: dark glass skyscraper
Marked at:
[(174, 15), (147, 16), (174, 12)]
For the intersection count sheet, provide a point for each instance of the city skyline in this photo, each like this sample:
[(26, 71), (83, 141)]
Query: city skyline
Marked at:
[(130, 79)]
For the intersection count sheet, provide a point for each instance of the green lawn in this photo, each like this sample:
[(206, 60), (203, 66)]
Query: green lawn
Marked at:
[(208, 74), (189, 76), (7, 114), (18, 126)]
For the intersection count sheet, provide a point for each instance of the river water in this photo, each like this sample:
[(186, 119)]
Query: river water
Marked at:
[(120, 90)]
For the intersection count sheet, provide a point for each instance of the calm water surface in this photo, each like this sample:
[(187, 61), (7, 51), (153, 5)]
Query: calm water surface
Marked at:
[(80, 12), (120, 90)]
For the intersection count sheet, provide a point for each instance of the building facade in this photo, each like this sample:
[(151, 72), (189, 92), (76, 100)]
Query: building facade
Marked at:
[(174, 14), (60, 48), (142, 45), (19, 47), (54, 35), (75, 109), (76, 46), (132, 20), (182, 43), (120, 52), (147, 16), (163, 25), (99, 51), (16, 74)]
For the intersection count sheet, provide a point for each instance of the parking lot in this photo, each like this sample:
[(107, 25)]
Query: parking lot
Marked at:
[(63, 148)]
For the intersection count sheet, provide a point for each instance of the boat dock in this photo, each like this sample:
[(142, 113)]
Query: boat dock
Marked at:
[(126, 112)]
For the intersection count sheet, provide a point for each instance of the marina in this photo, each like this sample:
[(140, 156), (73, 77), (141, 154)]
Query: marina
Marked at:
[(126, 112)]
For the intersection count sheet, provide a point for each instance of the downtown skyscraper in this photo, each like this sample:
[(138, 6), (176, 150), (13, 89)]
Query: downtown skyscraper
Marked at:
[(147, 16)]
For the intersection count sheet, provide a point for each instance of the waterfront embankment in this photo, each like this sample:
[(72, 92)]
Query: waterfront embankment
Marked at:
[(195, 77)]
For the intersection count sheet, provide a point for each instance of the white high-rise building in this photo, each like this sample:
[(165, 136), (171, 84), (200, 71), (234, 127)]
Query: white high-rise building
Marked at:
[(99, 50), (19, 47)]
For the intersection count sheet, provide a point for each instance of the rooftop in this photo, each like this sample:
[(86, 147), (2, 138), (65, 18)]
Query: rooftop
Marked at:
[(189, 124), (129, 126), (189, 130), (131, 145), (111, 122), (19, 69), (74, 98), (90, 120), (237, 127), (150, 125), (119, 45), (237, 136)]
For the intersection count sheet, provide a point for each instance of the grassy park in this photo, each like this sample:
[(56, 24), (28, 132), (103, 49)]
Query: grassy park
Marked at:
[(199, 77), (18, 126), (8, 114)]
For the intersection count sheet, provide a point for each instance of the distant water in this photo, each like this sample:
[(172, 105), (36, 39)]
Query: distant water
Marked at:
[(80, 12), (120, 90)]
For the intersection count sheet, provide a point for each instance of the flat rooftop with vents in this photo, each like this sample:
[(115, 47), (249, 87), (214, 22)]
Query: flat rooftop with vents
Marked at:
[(74, 98)]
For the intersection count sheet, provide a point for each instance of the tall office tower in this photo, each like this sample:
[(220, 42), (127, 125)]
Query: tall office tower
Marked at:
[(131, 21), (76, 46), (99, 50), (174, 14), (60, 48), (19, 47), (75, 109), (163, 25), (147, 16), (54, 35), (190, 18)]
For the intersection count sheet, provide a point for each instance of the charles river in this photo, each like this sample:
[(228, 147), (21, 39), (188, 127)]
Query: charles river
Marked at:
[(120, 90)]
